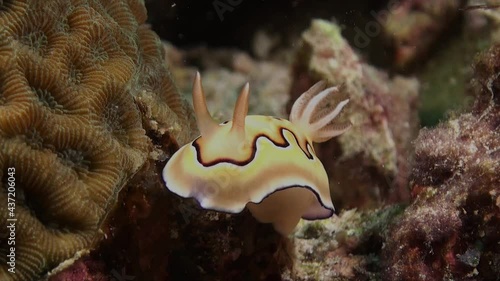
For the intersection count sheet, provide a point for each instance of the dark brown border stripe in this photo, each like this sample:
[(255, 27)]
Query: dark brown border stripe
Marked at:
[(318, 197), (254, 150)]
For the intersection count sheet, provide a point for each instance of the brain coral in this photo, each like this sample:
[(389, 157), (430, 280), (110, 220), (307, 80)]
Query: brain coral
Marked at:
[(81, 83), (369, 164)]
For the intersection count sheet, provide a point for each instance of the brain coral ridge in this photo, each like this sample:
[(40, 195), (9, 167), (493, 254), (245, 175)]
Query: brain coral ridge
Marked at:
[(80, 85)]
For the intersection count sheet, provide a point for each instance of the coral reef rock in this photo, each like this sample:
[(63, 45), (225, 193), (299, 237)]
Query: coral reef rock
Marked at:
[(369, 164), (81, 83), (224, 73), (451, 230), (345, 247), (414, 26)]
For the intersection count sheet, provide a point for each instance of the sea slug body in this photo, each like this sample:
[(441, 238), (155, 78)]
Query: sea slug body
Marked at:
[(264, 163)]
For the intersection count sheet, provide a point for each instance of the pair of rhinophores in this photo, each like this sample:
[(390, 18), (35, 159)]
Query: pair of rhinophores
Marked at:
[(264, 163)]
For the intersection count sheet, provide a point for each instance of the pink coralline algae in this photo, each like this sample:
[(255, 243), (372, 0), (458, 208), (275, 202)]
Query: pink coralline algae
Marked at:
[(451, 230)]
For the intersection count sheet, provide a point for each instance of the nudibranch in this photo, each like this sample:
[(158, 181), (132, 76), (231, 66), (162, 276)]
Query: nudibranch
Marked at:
[(264, 163)]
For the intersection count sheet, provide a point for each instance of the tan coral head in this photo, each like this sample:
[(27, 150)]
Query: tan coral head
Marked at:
[(264, 163)]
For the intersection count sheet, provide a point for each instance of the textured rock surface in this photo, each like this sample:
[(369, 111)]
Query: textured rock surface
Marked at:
[(81, 83), (346, 247), (451, 230), (413, 27), (224, 72), (368, 165), (446, 71)]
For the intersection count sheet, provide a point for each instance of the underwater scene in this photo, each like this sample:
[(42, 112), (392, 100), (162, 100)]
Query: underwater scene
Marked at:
[(239, 140)]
